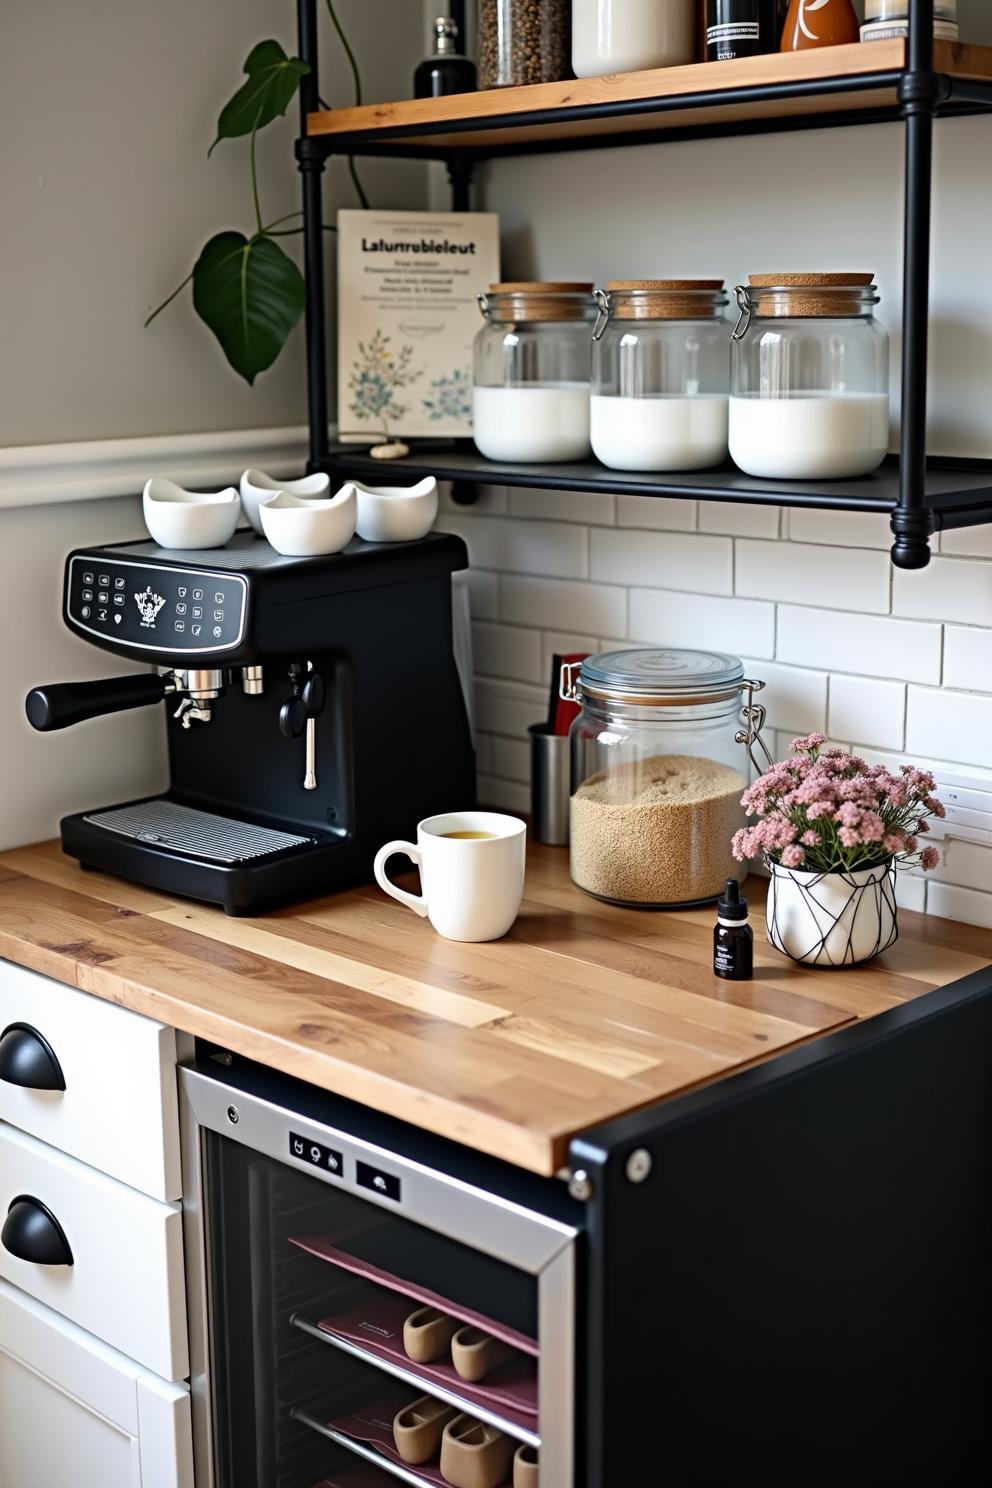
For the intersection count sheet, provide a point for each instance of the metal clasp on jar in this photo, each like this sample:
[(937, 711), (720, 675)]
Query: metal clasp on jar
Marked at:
[(482, 300), (567, 689), (743, 297), (604, 301), (753, 717)]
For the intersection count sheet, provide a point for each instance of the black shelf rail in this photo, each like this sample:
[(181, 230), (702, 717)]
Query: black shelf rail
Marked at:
[(920, 496)]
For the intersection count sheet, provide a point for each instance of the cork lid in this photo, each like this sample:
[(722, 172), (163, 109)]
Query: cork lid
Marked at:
[(523, 300), (825, 295), (666, 299)]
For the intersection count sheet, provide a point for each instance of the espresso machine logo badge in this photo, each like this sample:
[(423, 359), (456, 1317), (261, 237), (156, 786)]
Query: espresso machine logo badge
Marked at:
[(149, 605)]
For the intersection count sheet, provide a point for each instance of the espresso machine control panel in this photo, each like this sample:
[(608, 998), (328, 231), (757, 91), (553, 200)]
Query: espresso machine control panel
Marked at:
[(151, 608)]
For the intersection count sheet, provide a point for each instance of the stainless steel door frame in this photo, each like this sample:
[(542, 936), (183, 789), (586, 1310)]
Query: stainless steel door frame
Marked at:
[(479, 1219)]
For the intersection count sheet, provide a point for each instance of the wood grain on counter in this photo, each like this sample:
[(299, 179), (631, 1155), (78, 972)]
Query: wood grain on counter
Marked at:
[(584, 1012)]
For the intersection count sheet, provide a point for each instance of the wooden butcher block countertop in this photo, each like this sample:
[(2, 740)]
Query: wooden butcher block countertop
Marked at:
[(583, 1013)]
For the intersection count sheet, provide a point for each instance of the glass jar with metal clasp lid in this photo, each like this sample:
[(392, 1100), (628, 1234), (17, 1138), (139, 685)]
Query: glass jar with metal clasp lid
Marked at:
[(660, 374), (659, 760), (809, 377), (531, 362)]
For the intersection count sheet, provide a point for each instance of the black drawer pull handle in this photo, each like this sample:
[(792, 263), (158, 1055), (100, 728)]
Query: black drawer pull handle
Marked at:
[(32, 1233), (28, 1059)]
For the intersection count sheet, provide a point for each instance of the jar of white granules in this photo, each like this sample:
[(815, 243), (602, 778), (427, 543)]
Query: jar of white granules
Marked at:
[(530, 396), (660, 374), (659, 763)]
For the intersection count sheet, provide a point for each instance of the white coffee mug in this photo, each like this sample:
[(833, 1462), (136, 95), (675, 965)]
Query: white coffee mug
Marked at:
[(472, 885)]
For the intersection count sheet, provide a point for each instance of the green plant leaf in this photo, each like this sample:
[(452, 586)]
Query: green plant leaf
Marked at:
[(273, 79), (251, 295)]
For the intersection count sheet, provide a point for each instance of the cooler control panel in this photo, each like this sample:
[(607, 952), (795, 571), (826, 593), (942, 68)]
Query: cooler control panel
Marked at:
[(128, 603)]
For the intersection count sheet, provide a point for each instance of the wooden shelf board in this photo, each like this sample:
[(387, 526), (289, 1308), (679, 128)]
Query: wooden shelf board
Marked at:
[(948, 489), (834, 80)]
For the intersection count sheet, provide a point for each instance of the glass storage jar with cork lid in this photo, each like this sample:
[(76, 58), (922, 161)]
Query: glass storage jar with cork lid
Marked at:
[(523, 41), (531, 361), (659, 764), (660, 374), (809, 377)]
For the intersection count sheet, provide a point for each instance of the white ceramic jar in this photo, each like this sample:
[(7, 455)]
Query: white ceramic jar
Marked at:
[(809, 378), (531, 364), (660, 372), (629, 35)]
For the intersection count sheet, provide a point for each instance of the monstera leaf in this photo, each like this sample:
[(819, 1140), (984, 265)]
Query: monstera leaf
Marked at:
[(273, 78), (251, 295)]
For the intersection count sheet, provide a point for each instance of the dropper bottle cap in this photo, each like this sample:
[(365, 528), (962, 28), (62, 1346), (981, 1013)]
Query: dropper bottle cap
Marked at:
[(732, 905)]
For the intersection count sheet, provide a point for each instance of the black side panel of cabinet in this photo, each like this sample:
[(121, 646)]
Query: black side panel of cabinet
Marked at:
[(801, 1291)]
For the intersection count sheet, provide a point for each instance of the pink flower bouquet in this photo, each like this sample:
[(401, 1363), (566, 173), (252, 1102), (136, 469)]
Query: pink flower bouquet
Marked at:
[(828, 811)]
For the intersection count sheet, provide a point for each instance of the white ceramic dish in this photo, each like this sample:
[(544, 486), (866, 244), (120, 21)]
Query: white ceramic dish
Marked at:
[(299, 527), (396, 513), (257, 487), (177, 518)]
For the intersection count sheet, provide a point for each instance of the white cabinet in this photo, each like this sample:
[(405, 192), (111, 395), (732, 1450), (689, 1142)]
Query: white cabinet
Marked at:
[(74, 1411)]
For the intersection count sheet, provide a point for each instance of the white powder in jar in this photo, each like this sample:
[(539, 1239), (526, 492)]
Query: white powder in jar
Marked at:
[(656, 831), (809, 436), (536, 421), (659, 432)]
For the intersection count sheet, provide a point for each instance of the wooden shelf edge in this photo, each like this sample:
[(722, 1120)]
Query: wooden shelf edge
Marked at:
[(801, 70)]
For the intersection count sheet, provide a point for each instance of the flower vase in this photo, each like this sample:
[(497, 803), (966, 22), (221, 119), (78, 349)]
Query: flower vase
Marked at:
[(832, 919), (819, 23)]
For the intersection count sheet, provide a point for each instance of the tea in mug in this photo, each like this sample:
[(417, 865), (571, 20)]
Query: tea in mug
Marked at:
[(466, 836)]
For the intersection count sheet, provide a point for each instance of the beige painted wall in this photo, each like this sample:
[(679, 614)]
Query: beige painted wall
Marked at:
[(107, 110)]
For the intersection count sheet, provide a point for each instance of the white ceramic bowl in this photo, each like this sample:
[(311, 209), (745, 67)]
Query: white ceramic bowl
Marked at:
[(257, 487), (302, 528), (177, 518), (396, 513)]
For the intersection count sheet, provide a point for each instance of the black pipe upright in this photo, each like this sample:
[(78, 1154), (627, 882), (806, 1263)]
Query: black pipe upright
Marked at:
[(919, 95), (311, 163)]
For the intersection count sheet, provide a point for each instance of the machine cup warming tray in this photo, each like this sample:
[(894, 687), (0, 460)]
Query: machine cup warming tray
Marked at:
[(202, 834)]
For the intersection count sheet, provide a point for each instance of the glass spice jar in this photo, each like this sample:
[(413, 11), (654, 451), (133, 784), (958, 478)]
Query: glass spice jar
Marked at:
[(531, 362), (523, 41), (660, 374), (809, 378), (659, 764)]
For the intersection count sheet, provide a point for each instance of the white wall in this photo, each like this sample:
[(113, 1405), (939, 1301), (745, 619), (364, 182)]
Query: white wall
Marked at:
[(107, 112), (894, 663)]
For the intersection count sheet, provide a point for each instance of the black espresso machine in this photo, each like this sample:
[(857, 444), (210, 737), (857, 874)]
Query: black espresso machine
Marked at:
[(314, 710)]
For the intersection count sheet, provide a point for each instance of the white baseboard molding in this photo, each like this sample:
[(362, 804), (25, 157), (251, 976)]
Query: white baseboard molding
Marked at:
[(46, 474)]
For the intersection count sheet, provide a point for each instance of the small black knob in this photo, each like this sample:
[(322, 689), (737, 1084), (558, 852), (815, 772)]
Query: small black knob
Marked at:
[(293, 717), (28, 1059), (314, 694), (32, 1233)]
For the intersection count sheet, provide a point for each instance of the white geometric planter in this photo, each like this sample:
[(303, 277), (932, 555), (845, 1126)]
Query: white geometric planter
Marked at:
[(832, 919)]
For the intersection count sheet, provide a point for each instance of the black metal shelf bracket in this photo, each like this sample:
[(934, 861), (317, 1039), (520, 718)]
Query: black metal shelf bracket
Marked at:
[(310, 159)]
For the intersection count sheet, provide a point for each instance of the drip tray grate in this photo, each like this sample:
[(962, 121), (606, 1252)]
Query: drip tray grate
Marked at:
[(202, 834)]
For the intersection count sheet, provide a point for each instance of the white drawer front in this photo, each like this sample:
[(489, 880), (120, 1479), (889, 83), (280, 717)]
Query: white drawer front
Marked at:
[(119, 1108), (126, 1281)]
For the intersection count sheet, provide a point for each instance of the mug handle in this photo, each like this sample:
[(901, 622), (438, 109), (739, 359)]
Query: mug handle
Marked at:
[(416, 902)]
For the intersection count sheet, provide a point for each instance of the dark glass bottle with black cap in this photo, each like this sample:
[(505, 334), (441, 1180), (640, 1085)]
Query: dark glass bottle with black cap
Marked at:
[(447, 71), (733, 938), (742, 28)]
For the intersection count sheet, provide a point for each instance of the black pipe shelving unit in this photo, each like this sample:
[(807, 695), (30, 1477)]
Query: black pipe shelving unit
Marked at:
[(922, 496)]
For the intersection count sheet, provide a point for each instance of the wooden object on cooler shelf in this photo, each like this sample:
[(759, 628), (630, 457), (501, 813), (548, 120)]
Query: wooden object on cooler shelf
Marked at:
[(427, 1335), (525, 1467), (417, 1429), (476, 1354), (584, 1012), (820, 23), (474, 1454)]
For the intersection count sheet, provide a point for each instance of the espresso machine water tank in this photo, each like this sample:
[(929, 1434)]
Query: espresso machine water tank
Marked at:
[(313, 710)]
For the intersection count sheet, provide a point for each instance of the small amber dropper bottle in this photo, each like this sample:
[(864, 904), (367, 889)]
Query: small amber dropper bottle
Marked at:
[(733, 938)]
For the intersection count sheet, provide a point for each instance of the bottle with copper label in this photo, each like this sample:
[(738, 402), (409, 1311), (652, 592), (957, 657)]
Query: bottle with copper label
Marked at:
[(741, 28), (819, 23)]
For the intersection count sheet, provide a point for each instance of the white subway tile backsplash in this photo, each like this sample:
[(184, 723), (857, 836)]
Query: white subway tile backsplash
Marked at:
[(911, 892), (839, 528), (865, 644), (483, 591), (553, 548), (503, 795), (508, 708), (656, 513), (969, 542), (950, 589), (674, 619), (967, 864), (796, 698), (950, 726), (739, 519), (968, 659), (871, 712), (563, 506), (799, 573), (511, 759), (561, 605), (506, 651), (954, 903), (665, 560)]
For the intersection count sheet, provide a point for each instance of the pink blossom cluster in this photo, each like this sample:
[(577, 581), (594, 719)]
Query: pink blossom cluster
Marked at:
[(828, 811)]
